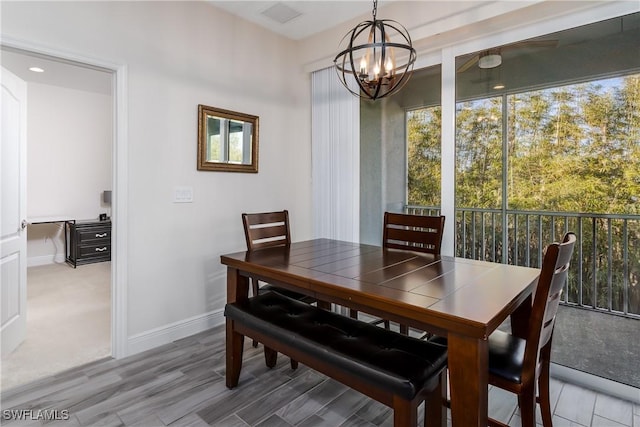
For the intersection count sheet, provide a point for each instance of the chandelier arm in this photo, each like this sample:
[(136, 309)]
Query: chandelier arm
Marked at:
[(368, 45), (353, 68), (383, 48), (398, 27), (355, 33)]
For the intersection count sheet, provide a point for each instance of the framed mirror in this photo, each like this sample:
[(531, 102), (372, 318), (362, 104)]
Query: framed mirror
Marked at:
[(227, 140)]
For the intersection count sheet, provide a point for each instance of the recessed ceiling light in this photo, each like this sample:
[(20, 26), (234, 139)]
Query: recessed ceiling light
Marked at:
[(499, 86), (36, 69)]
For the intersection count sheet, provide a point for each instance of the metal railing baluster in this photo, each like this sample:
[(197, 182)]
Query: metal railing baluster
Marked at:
[(486, 240)]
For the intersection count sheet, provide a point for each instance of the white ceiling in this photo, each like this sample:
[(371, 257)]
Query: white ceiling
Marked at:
[(314, 15)]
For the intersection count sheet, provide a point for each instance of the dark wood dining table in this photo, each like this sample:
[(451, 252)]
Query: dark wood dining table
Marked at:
[(462, 299)]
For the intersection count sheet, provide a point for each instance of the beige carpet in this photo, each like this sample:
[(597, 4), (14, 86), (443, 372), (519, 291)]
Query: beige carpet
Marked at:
[(68, 321)]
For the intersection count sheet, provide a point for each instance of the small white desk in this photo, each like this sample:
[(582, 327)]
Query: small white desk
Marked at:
[(51, 219)]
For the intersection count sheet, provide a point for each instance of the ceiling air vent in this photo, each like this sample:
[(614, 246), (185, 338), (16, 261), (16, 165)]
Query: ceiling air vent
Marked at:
[(281, 13)]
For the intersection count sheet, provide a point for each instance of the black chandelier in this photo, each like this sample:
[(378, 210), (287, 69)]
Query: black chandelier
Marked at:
[(371, 58)]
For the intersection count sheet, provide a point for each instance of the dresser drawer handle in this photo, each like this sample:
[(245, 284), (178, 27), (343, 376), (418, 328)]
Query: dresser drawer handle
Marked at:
[(101, 234), (101, 249)]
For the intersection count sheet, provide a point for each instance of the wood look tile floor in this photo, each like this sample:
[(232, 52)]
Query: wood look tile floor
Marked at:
[(182, 384)]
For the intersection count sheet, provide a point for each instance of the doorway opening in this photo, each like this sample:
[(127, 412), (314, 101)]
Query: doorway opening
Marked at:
[(71, 113)]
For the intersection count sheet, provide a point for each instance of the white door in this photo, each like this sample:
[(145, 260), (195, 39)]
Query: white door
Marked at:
[(13, 209)]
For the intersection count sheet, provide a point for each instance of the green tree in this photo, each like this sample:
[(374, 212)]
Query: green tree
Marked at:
[(423, 146), (479, 154)]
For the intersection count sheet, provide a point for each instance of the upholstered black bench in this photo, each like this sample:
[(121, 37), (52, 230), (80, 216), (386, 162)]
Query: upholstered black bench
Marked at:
[(394, 369)]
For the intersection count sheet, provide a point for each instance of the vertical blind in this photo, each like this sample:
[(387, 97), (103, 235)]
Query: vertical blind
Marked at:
[(335, 142)]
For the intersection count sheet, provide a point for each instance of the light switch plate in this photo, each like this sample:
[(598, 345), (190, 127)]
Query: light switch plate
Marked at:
[(182, 194)]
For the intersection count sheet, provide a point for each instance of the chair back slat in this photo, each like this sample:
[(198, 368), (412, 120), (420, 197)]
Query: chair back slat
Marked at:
[(413, 232), (266, 230), (553, 276), (278, 231)]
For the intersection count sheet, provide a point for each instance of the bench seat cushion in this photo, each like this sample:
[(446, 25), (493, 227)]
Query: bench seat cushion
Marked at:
[(382, 358)]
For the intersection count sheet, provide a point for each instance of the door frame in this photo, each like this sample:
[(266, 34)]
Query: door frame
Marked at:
[(119, 175)]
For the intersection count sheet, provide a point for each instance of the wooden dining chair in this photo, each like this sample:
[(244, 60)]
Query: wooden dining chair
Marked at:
[(268, 230), (518, 364), (417, 233)]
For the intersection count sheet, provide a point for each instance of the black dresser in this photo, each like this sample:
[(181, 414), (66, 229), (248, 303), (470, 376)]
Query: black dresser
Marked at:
[(88, 242)]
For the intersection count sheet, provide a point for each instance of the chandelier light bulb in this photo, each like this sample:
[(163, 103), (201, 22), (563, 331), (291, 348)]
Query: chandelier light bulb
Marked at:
[(388, 68), (363, 66)]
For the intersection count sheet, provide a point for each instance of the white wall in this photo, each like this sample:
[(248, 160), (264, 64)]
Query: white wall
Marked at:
[(68, 162), (179, 55)]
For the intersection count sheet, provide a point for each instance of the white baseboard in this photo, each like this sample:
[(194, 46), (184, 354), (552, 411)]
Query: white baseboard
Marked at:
[(175, 331), (35, 261), (595, 383)]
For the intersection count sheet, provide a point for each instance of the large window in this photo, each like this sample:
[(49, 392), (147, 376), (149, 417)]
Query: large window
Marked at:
[(552, 123), (567, 149), (546, 141), (547, 124)]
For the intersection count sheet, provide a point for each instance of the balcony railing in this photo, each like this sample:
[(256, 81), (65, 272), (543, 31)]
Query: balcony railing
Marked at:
[(605, 272)]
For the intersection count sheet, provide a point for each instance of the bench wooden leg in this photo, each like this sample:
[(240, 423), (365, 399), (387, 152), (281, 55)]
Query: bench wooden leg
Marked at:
[(235, 345), (270, 357), (405, 414)]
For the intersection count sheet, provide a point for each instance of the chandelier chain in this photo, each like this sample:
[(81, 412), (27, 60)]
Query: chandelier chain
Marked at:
[(374, 12)]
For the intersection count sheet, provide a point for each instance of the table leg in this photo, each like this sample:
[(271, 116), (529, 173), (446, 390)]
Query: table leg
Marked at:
[(237, 286), (520, 318), (468, 376), (237, 290)]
